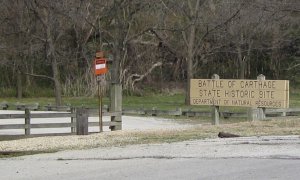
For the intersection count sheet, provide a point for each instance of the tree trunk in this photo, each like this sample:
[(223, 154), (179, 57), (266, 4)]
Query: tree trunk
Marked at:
[(115, 76), (190, 50), (241, 62), (117, 48), (190, 59), (55, 69), (19, 85), (57, 85)]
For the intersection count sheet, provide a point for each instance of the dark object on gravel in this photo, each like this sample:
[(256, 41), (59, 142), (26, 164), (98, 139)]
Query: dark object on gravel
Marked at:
[(227, 135)]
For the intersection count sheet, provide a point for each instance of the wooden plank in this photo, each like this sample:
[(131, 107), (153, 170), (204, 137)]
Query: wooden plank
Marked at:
[(42, 115), (37, 115), (196, 113), (53, 125), (95, 113), (45, 125), (105, 123), (12, 126), (52, 115), (21, 106), (12, 116), (239, 115), (177, 112), (134, 111), (282, 110), (50, 107), (113, 123)]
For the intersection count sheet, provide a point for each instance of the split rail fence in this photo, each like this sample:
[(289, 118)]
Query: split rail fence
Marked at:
[(79, 120), (194, 113)]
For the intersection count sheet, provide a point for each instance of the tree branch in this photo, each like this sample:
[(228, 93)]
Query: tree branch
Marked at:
[(141, 77), (38, 75)]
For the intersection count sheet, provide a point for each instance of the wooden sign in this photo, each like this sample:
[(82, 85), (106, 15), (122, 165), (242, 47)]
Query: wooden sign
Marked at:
[(247, 93)]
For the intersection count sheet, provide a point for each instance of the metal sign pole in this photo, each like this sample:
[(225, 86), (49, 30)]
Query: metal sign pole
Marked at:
[(100, 107), (100, 70)]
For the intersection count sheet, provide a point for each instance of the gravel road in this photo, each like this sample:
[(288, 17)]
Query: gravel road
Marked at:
[(268, 157)]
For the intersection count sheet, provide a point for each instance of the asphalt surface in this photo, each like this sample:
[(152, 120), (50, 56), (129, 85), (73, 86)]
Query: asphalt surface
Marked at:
[(274, 157)]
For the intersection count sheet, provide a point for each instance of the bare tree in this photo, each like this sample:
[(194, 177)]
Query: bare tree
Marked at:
[(53, 27)]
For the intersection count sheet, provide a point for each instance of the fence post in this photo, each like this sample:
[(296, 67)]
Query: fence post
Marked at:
[(215, 109), (73, 120), (27, 121), (82, 126), (116, 105), (261, 111), (257, 113), (252, 114)]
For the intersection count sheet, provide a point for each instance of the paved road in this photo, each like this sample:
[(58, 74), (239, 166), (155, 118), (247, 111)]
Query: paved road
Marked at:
[(149, 168), (238, 158)]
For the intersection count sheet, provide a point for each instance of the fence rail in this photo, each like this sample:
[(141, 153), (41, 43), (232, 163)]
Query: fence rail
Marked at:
[(224, 114), (141, 111)]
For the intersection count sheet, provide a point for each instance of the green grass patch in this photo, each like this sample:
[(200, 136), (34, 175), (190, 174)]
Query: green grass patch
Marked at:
[(7, 92), (32, 92), (295, 98)]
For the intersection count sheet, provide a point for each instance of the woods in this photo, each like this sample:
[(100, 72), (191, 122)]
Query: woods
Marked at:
[(51, 44)]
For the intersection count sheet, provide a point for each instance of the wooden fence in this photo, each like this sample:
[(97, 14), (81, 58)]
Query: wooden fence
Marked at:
[(156, 112), (79, 117), (195, 113), (79, 120)]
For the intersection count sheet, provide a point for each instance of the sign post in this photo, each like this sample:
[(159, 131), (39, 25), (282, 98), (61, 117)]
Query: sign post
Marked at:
[(100, 108), (100, 71), (215, 109)]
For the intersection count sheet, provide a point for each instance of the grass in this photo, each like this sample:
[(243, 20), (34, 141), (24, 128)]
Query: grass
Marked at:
[(295, 98)]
